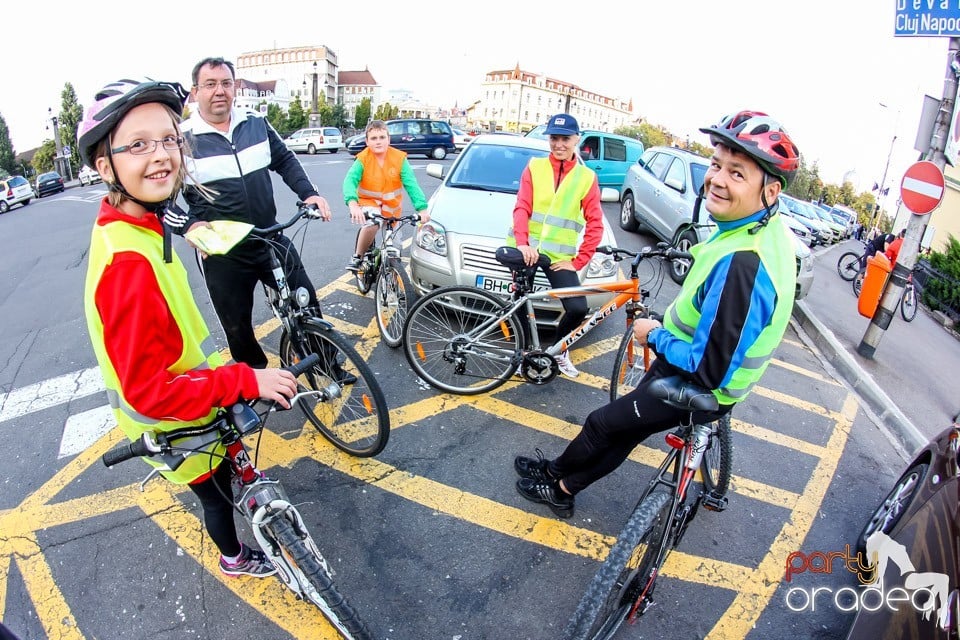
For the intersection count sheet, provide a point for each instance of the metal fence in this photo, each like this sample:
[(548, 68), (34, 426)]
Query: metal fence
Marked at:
[(938, 291)]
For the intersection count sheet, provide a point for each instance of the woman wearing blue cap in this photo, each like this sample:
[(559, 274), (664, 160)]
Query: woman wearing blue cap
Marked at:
[(558, 197)]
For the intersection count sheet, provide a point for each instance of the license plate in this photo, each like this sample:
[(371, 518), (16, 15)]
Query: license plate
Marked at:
[(501, 286)]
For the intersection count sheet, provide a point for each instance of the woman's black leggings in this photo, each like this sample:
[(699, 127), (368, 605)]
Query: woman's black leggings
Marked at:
[(218, 510)]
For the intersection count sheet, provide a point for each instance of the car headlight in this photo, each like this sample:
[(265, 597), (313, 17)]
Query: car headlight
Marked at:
[(432, 237), (601, 266)]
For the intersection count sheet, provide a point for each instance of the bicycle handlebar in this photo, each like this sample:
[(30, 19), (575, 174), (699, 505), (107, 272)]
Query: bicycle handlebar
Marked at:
[(662, 250), (303, 209), (148, 446), (373, 217)]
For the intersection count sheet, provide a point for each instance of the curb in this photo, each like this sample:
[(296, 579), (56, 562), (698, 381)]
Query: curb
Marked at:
[(862, 382)]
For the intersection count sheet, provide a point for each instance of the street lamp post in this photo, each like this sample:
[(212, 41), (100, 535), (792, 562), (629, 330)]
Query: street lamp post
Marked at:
[(883, 181), (315, 113), (59, 159)]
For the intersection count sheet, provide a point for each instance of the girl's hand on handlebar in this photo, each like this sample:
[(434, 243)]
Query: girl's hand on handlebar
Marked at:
[(322, 206), (276, 385)]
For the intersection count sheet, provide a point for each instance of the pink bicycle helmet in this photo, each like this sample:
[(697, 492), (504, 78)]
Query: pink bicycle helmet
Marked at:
[(760, 137), (113, 102)]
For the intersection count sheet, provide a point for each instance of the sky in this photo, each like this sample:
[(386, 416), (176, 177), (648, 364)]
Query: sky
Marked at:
[(821, 67)]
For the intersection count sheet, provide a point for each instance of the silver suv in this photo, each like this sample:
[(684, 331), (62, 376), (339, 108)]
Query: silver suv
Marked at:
[(658, 196)]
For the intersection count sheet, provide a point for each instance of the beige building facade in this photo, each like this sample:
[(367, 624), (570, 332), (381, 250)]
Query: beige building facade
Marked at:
[(518, 100), (300, 68)]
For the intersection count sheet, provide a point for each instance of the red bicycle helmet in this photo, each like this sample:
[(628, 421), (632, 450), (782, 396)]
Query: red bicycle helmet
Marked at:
[(113, 102), (760, 137)]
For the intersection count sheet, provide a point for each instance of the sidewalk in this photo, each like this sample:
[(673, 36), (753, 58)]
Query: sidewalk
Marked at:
[(911, 382)]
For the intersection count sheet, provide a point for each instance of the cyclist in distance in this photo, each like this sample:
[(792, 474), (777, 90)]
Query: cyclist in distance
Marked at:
[(377, 179), (722, 328), (557, 198), (233, 152), (159, 364)]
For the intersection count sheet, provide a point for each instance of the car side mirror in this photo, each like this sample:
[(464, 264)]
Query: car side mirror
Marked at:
[(675, 184)]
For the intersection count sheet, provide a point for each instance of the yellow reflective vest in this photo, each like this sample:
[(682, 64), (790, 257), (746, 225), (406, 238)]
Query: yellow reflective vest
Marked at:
[(557, 219), (198, 352)]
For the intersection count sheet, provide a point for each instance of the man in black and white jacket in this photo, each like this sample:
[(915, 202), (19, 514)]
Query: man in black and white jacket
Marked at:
[(233, 152)]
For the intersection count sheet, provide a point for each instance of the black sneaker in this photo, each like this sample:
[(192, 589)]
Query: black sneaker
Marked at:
[(354, 264), (341, 376), (533, 468), (548, 493)]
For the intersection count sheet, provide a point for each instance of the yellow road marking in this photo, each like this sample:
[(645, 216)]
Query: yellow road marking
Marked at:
[(774, 437), (742, 614), (804, 372)]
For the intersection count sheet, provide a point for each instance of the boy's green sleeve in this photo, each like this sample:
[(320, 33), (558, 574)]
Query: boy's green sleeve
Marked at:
[(413, 189), (352, 181)]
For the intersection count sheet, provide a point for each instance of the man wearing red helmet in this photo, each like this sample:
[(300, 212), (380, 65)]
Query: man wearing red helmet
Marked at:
[(723, 327)]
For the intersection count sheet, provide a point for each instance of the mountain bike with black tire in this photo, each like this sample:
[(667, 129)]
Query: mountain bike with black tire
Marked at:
[(851, 263), (623, 588), (382, 270), (467, 341), (908, 297), (276, 523), (347, 406)]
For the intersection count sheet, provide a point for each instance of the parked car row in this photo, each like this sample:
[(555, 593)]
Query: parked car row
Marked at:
[(659, 195)]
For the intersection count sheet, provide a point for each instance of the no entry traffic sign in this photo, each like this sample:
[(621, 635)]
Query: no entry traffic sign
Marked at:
[(922, 187)]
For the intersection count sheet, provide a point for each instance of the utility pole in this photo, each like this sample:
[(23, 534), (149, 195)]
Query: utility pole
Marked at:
[(915, 225)]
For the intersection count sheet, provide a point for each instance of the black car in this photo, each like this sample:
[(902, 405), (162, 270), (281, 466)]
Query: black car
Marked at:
[(48, 183), (432, 138), (920, 518)]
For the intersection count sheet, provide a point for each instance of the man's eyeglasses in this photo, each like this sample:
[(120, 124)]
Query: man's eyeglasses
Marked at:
[(211, 85), (144, 147)]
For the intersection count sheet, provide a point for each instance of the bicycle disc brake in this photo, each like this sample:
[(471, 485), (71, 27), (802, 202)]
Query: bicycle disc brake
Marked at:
[(538, 367)]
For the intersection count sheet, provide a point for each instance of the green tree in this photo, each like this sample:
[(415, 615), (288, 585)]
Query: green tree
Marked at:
[(8, 157), (296, 117), (339, 116), (43, 158), (362, 116), (277, 119), (71, 112), (385, 112)]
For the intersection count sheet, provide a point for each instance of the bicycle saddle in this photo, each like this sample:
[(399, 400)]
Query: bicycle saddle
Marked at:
[(682, 394)]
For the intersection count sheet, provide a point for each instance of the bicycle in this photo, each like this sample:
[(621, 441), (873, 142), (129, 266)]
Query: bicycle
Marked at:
[(623, 588), (851, 263), (276, 523), (381, 265), (347, 406), (467, 341), (908, 297)]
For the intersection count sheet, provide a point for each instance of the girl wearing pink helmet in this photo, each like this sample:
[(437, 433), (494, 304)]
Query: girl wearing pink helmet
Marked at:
[(158, 361)]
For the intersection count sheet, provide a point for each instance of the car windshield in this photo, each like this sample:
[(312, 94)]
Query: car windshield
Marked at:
[(491, 167), (49, 176)]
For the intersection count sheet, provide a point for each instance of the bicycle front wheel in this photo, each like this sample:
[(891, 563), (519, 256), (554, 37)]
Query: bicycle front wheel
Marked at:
[(858, 283), (630, 365), (395, 296), (627, 575), (459, 340), (908, 303), (715, 465), (848, 265), (301, 553), (350, 409)]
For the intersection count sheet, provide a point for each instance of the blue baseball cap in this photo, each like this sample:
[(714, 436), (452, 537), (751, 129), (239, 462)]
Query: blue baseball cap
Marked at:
[(563, 124)]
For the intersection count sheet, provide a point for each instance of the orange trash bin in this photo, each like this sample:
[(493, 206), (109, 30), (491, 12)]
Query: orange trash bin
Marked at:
[(874, 282)]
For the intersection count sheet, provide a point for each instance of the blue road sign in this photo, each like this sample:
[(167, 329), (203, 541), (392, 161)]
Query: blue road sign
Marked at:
[(927, 18)]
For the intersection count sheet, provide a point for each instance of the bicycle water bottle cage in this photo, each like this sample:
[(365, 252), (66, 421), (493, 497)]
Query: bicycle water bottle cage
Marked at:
[(684, 395)]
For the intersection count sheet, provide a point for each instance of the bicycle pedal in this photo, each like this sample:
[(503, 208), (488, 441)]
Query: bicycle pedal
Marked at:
[(714, 502)]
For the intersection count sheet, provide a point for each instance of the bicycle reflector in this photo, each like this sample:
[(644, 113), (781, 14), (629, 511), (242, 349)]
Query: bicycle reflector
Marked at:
[(674, 440)]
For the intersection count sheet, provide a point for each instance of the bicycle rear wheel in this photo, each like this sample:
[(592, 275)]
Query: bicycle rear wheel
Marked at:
[(353, 416), (445, 346), (301, 553), (715, 465), (630, 365), (628, 573), (908, 303), (395, 296), (848, 265)]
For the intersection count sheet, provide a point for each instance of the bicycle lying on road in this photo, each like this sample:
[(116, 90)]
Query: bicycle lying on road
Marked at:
[(623, 588), (382, 270), (466, 340), (276, 523), (347, 405)]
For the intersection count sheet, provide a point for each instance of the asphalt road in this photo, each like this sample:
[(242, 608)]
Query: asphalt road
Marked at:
[(429, 540)]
